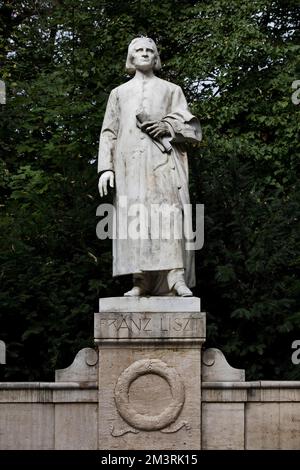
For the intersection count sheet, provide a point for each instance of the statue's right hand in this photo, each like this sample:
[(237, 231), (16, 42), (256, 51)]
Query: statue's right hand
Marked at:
[(103, 180)]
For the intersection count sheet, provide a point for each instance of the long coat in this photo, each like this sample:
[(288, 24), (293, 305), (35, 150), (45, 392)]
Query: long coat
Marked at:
[(147, 174)]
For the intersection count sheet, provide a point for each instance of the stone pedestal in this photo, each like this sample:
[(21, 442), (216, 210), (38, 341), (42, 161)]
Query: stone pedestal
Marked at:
[(149, 372)]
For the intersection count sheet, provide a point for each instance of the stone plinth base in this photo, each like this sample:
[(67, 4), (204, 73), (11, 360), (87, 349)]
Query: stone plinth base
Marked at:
[(149, 372)]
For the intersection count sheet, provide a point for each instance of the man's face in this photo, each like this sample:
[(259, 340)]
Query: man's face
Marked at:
[(143, 57)]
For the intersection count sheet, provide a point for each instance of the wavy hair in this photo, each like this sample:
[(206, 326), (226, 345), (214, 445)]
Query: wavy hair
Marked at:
[(130, 68)]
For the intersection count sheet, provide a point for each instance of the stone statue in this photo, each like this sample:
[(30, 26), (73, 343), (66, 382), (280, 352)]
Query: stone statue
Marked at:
[(141, 153)]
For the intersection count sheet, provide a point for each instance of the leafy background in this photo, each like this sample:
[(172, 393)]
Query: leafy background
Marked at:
[(236, 62)]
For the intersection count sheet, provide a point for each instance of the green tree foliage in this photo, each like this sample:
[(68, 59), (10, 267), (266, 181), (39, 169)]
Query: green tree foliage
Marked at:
[(236, 62)]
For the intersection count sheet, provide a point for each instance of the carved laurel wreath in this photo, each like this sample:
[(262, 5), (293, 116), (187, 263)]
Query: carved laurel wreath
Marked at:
[(149, 422)]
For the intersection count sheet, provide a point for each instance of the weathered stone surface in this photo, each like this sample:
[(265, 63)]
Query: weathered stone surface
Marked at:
[(14, 392), (26, 426), (76, 426), (149, 393), (45, 415), (83, 369), (82, 395), (223, 426), (211, 393), (263, 426), (149, 326), (273, 425), (149, 398), (149, 304), (289, 426), (215, 368), (179, 322), (48, 392)]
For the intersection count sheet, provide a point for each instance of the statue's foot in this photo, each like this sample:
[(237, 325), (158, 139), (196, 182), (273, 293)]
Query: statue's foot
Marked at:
[(182, 289), (136, 291)]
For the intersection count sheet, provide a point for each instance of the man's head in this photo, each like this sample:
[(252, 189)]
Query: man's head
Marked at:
[(142, 55)]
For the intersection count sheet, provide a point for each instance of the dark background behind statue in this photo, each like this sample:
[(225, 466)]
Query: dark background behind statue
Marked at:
[(236, 62)]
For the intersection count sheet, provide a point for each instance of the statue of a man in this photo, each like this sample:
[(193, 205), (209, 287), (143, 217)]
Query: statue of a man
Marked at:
[(141, 153)]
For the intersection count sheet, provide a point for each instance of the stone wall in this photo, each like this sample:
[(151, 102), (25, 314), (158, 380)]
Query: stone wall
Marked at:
[(36, 415), (235, 414), (251, 415)]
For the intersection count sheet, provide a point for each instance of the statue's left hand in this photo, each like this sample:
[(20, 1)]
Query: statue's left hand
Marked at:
[(155, 128)]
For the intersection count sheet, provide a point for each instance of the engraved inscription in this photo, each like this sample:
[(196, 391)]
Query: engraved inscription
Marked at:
[(149, 325), (178, 324), (139, 324)]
